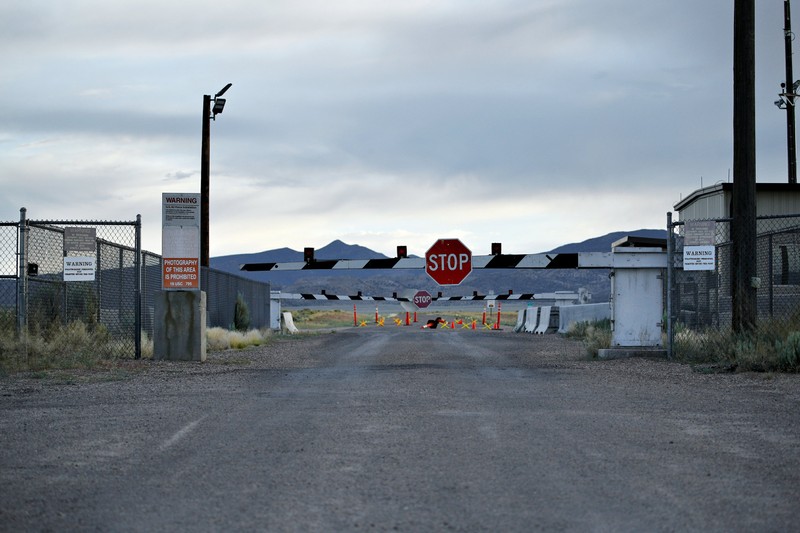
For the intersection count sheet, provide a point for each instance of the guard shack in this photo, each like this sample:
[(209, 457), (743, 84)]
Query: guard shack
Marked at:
[(637, 297)]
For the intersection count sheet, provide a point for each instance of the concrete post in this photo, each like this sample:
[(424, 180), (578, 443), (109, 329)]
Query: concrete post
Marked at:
[(180, 326)]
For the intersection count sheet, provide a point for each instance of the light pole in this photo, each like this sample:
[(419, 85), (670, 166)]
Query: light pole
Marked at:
[(209, 114)]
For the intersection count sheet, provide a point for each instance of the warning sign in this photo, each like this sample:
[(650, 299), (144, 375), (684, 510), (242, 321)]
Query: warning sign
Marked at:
[(181, 273), (699, 257), (79, 268), (80, 239), (180, 241), (699, 232)]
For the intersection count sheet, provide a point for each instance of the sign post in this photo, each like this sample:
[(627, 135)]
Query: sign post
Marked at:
[(179, 325), (448, 262)]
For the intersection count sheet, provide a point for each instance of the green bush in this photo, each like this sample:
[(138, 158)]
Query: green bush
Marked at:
[(241, 314), (789, 351)]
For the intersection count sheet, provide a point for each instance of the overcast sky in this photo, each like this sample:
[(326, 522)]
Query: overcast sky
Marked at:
[(533, 123)]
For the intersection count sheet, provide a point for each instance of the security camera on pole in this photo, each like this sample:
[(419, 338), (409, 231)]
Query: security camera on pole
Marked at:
[(209, 114)]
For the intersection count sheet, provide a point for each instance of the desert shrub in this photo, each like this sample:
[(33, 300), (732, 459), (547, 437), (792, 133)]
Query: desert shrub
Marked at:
[(789, 352), (256, 337), (236, 340), (595, 335), (147, 346), (241, 314), (577, 330), (218, 339)]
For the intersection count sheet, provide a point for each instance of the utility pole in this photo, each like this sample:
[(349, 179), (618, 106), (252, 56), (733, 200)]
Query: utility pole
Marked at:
[(743, 225), (789, 93)]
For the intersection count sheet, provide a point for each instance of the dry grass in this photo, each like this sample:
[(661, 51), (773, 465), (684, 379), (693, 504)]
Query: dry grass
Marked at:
[(773, 347), (75, 345), (223, 339), (315, 319)]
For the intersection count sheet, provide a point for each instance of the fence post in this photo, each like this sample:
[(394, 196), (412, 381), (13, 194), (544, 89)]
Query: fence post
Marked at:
[(98, 277), (670, 275), (137, 290), (22, 274), (770, 268)]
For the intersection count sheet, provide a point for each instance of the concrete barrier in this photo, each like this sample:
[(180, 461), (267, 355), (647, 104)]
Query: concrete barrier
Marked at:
[(288, 323), (531, 319), (520, 325), (544, 320), (571, 314)]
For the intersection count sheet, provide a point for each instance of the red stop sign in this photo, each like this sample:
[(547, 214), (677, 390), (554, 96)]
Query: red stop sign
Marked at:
[(422, 299), (448, 262)]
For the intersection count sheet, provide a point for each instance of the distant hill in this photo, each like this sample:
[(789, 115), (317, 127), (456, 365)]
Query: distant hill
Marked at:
[(603, 244), (335, 250)]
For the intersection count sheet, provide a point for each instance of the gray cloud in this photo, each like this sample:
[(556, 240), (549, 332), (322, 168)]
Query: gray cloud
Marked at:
[(508, 101), (179, 175)]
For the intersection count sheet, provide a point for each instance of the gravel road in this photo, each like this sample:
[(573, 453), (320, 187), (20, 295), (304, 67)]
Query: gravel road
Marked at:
[(400, 429)]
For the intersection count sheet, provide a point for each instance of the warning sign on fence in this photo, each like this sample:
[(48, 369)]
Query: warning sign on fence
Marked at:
[(699, 251), (79, 268)]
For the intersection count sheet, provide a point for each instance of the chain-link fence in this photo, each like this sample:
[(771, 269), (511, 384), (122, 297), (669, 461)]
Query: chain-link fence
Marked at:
[(112, 299), (224, 289), (79, 272), (700, 301), (8, 277)]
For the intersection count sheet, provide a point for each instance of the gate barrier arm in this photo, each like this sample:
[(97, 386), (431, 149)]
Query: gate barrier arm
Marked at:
[(501, 261)]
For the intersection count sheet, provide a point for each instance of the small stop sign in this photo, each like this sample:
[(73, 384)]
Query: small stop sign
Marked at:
[(422, 299), (448, 261)]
